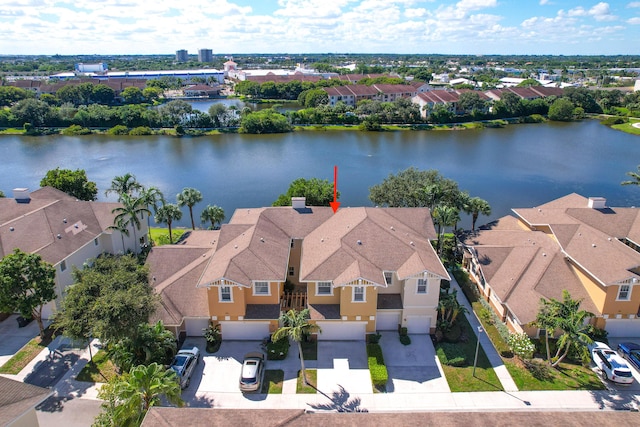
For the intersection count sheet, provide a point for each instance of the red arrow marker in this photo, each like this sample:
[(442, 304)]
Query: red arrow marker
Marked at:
[(335, 204)]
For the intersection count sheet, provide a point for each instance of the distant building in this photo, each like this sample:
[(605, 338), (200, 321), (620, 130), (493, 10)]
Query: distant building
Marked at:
[(205, 55), (182, 55), (99, 68)]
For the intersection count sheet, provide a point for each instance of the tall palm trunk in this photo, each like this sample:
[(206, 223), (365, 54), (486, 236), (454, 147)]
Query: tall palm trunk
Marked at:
[(302, 368)]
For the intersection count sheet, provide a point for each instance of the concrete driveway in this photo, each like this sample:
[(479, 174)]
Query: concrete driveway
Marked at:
[(412, 368), (13, 337), (218, 372), (343, 367), (633, 387)]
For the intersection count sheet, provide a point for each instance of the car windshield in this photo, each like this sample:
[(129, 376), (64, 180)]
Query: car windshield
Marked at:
[(624, 374), (180, 360)]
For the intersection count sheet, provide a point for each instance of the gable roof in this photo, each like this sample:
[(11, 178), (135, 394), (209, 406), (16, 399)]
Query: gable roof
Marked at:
[(350, 244), (52, 224)]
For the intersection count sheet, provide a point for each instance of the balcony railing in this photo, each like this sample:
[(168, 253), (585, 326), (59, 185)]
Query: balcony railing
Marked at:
[(293, 301)]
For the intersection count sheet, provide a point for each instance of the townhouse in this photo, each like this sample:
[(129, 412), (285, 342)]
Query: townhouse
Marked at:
[(64, 231), (357, 271), (574, 243)]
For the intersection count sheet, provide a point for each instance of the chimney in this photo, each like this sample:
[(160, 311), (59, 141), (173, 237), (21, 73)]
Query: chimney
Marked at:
[(298, 202), (21, 195), (597, 202)]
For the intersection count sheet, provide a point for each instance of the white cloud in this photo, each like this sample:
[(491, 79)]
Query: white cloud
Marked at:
[(543, 2), (634, 4), (415, 13), (634, 21), (601, 12)]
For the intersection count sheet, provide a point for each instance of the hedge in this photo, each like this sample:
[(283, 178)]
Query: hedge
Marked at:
[(377, 368)]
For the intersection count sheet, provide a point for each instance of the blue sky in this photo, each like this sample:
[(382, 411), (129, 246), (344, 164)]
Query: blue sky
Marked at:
[(320, 26)]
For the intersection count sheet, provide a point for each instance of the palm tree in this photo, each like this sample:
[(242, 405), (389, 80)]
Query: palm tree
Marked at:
[(476, 206), (166, 214), (296, 326), (444, 216), (567, 316), (122, 228), (131, 395), (214, 213), (546, 319), (635, 178), (153, 198), (130, 213), (125, 184), (189, 197)]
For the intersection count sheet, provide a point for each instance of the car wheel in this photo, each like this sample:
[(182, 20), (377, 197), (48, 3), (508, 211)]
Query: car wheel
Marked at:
[(604, 374), (186, 385)]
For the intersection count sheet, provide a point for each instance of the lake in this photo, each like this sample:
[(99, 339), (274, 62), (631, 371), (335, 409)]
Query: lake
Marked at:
[(515, 166)]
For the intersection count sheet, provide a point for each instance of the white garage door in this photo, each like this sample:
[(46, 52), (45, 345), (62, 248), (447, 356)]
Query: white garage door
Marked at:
[(342, 331), (387, 321), (418, 324), (623, 327), (195, 326), (243, 330)]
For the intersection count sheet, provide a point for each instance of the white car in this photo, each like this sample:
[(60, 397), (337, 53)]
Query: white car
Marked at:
[(252, 373), (612, 366), (184, 364)]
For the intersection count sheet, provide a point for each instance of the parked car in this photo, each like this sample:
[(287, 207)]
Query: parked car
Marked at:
[(252, 373), (612, 366), (631, 352), (184, 363)]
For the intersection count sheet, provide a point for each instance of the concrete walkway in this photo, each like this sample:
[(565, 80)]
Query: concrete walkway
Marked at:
[(493, 356)]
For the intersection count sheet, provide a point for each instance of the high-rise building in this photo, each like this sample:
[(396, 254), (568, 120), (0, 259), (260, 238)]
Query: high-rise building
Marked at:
[(205, 55), (182, 55)]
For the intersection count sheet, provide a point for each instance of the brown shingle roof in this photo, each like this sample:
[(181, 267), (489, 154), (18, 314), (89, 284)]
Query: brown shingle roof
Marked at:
[(17, 397)]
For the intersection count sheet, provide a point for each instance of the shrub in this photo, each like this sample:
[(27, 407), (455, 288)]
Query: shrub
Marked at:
[(140, 131), (76, 130), (521, 345), (610, 121), (278, 350), (373, 338), (118, 130), (453, 333), (452, 354), (403, 331), (377, 368)]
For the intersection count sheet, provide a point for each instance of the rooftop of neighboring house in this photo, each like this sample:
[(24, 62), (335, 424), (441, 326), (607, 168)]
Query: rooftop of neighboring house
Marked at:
[(50, 222), (16, 398), (522, 263)]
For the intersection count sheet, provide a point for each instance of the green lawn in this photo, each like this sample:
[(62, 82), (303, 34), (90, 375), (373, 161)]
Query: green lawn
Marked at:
[(100, 371), (26, 354), (567, 377), (627, 127), (461, 379), (312, 377), (273, 380), (160, 236)]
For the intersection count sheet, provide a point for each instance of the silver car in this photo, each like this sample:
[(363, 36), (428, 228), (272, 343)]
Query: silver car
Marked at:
[(252, 373), (184, 364)]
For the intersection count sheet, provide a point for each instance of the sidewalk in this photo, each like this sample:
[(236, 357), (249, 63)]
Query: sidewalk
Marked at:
[(493, 356)]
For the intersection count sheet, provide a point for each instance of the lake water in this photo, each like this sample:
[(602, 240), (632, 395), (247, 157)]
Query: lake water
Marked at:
[(517, 166)]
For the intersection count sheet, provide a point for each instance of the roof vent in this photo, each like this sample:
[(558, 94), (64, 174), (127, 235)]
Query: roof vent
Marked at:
[(11, 228), (411, 243), (593, 245), (59, 236), (597, 202), (360, 242), (392, 227), (64, 220), (21, 195), (262, 239), (298, 202)]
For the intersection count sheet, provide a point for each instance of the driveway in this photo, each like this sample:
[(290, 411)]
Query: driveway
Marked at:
[(343, 367), (13, 337), (412, 368), (633, 387), (218, 372)]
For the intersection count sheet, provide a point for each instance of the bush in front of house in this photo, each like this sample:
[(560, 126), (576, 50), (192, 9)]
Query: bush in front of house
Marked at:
[(451, 354), (278, 350), (377, 368)]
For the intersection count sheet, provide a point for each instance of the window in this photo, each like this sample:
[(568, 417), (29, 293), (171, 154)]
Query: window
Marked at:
[(261, 288), (292, 271), (225, 294), (422, 286), (358, 294), (324, 288), (292, 243), (63, 265), (388, 278), (95, 241), (624, 292)]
